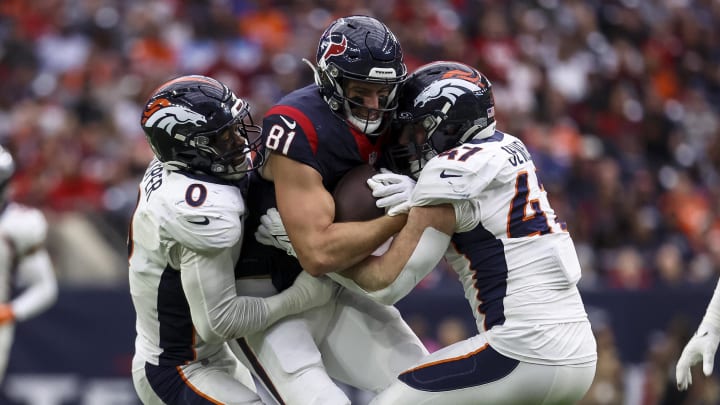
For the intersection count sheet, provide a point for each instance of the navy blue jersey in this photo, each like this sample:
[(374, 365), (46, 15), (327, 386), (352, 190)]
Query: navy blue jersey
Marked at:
[(302, 127)]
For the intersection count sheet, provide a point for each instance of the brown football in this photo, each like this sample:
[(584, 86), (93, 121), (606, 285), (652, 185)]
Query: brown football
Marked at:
[(353, 198)]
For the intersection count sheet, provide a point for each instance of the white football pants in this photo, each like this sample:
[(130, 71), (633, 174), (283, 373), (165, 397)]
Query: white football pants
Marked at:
[(217, 379), (351, 339), (470, 372)]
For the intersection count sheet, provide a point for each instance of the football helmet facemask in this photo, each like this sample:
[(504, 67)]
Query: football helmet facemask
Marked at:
[(441, 105), (364, 49), (196, 123)]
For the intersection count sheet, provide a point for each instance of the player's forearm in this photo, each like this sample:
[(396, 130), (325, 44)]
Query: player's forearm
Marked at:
[(342, 245), (222, 315), (37, 272), (218, 313), (389, 278), (369, 275)]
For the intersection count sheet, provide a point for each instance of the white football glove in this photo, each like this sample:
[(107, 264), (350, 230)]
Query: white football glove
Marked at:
[(272, 232), (305, 293), (702, 346), (392, 191), (318, 290)]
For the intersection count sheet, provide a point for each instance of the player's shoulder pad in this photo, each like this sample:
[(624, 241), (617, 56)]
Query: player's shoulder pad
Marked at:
[(283, 120), (25, 227), (202, 215), (456, 176)]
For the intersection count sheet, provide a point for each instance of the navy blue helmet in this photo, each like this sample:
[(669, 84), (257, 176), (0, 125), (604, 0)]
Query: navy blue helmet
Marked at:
[(197, 123), (441, 105), (359, 48)]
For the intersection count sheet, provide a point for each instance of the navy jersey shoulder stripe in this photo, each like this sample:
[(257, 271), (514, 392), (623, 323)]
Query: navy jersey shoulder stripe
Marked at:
[(302, 120)]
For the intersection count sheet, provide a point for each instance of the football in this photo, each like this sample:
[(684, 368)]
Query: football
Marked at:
[(353, 198)]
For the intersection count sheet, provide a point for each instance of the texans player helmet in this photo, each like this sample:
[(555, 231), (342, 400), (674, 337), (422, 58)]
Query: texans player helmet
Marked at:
[(441, 106), (197, 123), (359, 48)]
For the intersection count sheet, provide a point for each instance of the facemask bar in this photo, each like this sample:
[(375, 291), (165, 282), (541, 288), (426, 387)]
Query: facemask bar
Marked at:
[(224, 163), (331, 79)]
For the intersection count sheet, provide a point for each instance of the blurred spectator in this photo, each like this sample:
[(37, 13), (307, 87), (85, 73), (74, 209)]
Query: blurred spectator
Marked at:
[(420, 326), (618, 100), (629, 271), (607, 388), (452, 330)]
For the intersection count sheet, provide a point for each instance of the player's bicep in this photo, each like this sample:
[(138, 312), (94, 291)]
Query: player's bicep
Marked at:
[(305, 205), (209, 283)]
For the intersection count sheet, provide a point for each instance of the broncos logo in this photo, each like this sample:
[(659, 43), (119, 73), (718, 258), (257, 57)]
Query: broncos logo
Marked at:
[(165, 115), (461, 74), (450, 89)]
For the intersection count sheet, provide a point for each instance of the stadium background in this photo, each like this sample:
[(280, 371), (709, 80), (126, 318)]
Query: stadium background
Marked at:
[(618, 101)]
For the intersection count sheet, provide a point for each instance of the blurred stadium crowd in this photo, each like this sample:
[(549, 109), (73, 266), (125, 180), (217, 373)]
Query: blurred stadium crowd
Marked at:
[(618, 100)]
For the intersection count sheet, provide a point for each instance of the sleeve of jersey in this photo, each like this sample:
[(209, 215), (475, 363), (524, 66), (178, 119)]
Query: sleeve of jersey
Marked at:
[(451, 181), (215, 224), (37, 278), (217, 311), (26, 229), (288, 131)]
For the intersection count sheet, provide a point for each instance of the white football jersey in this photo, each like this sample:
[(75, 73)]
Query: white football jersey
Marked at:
[(24, 261), (178, 215), (515, 259)]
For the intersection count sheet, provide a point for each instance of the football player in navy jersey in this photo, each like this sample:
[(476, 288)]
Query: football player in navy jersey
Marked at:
[(313, 136), (184, 240)]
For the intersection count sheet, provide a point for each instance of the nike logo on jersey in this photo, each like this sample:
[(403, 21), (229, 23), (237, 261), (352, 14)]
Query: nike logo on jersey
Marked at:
[(290, 124), (444, 175), (204, 221)]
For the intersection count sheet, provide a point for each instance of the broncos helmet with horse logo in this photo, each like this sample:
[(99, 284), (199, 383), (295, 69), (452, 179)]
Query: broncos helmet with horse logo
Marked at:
[(442, 104), (197, 123)]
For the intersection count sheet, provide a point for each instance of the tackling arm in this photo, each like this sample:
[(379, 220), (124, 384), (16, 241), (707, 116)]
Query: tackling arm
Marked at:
[(219, 314), (414, 252), (308, 211)]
